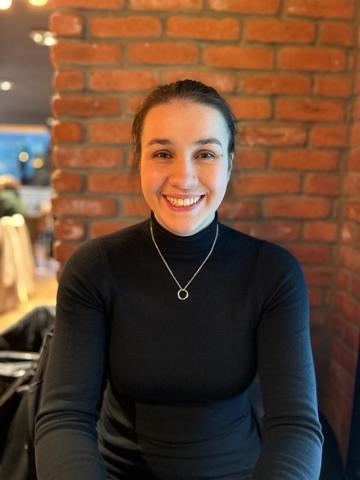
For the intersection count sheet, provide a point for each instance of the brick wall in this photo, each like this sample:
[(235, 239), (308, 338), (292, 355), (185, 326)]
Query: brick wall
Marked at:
[(287, 67), (345, 316)]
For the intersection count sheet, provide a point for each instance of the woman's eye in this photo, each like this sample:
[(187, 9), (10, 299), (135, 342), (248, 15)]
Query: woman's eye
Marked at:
[(206, 155), (161, 155)]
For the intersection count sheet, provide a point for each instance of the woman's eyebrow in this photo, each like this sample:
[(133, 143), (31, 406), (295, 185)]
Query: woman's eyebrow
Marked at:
[(201, 141), (206, 141)]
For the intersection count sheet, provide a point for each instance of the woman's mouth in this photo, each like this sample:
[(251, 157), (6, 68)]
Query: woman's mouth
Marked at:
[(187, 203)]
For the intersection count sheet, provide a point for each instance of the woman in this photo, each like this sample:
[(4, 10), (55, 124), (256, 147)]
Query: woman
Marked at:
[(161, 327)]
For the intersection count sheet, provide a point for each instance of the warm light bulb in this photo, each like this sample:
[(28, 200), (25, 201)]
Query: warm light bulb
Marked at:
[(5, 85), (38, 3), (38, 162), (23, 157), (5, 4)]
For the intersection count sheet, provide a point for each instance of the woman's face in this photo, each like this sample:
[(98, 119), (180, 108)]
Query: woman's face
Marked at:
[(184, 164)]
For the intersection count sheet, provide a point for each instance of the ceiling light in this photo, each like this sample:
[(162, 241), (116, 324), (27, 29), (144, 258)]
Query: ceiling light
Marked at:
[(42, 37), (38, 162), (5, 4), (6, 85), (38, 3), (23, 157)]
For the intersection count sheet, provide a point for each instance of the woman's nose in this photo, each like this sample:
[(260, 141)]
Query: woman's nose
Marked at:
[(184, 174)]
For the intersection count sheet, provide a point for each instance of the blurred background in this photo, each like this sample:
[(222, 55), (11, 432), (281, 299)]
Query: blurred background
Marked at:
[(25, 159)]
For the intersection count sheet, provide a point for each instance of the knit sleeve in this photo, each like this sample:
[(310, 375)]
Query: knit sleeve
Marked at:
[(292, 437), (65, 429)]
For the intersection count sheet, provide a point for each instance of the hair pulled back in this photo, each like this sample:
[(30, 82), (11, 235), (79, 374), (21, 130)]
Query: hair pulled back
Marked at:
[(191, 90)]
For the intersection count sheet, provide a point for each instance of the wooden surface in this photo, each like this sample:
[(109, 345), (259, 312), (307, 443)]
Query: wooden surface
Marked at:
[(45, 294)]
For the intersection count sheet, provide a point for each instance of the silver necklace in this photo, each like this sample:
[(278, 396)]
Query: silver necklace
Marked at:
[(183, 293)]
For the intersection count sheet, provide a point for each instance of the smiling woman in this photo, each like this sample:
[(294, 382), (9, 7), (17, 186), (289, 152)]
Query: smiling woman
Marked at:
[(184, 174), (162, 327)]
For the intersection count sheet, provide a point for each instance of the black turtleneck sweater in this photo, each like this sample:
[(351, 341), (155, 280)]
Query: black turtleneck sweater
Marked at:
[(142, 385)]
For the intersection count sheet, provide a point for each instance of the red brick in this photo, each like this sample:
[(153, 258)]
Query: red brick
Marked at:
[(85, 106), (342, 354), (235, 209), (355, 287), (337, 34), (165, 4), (318, 276), (239, 57), (125, 27), (357, 84), (320, 8), (203, 28), (346, 305), (110, 132), (90, 4), (317, 318), (62, 251), (320, 231), (343, 280), (356, 109), (84, 206), (312, 59), (353, 211), (68, 79), (66, 229), (350, 233), (250, 108), (312, 254), (322, 184), (329, 136), (114, 183), (352, 184), (133, 103), (334, 86), (66, 24), (85, 53), (103, 228), (264, 184), (297, 207), (354, 159), (135, 207), (275, 83), (276, 231), (261, 7), (309, 109), (66, 132), (162, 53), (87, 157), (355, 135), (350, 258), (269, 135), (249, 158), (223, 82), (305, 159), (120, 80), (315, 297), (279, 31), (66, 181)]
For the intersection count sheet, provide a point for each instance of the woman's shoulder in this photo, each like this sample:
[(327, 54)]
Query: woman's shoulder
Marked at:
[(93, 251), (271, 254)]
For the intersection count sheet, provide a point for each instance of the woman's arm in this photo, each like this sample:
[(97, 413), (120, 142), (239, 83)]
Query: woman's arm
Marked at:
[(65, 429), (292, 438)]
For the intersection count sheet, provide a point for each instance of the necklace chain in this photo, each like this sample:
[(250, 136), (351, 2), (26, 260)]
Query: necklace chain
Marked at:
[(183, 293)]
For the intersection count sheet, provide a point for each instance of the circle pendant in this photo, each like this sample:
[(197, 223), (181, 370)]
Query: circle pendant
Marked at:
[(182, 294)]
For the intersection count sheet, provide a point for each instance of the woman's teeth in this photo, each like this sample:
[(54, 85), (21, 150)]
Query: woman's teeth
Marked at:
[(183, 202)]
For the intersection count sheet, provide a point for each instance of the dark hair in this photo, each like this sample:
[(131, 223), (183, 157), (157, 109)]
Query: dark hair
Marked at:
[(191, 90)]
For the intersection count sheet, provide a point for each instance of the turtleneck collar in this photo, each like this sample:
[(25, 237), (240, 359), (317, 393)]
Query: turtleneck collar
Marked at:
[(171, 244)]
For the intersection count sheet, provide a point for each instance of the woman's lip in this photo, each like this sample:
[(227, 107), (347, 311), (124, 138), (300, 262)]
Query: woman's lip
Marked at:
[(183, 207), (183, 196)]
